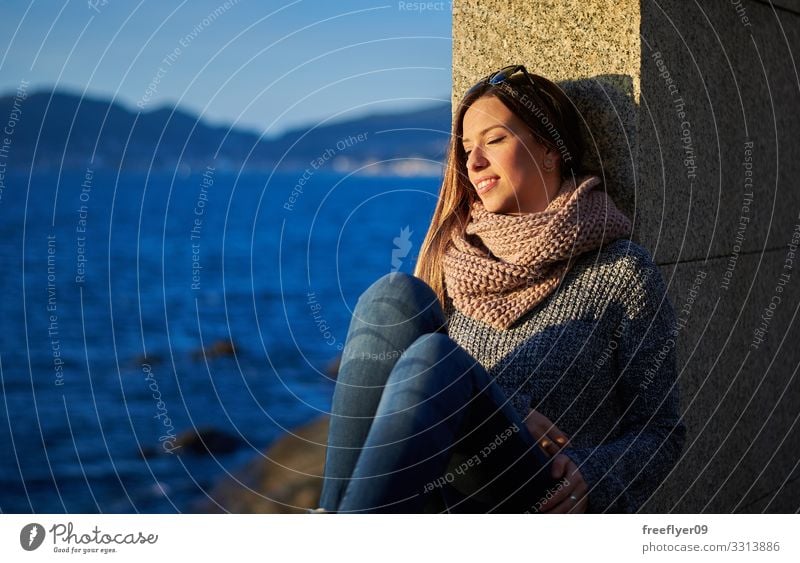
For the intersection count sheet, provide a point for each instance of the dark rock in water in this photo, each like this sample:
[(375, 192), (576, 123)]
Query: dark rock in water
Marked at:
[(201, 441), (219, 349), (332, 369), (150, 359), (285, 479)]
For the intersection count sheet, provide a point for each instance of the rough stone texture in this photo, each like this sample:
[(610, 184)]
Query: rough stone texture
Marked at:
[(491, 34), (788, 5), (285, 479), (738, 83), (739, 401)]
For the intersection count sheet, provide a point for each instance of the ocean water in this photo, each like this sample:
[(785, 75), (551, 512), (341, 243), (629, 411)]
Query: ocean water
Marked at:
[(113, 285)]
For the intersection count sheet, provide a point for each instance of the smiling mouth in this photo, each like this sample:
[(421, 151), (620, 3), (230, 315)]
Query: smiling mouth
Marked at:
[(486, 184)]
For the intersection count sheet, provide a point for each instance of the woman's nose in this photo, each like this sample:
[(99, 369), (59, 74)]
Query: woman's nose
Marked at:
[(476, 160)]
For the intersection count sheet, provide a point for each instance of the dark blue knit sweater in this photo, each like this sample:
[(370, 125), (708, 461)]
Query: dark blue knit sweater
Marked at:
[(597, 357)]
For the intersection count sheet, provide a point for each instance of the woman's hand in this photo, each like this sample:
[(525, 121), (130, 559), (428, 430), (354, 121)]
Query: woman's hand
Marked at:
[(569, 495), (546, 434)]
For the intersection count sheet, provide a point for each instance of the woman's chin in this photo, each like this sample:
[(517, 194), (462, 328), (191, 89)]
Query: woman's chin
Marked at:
[(493, 206), (502, 207), (489, 203)]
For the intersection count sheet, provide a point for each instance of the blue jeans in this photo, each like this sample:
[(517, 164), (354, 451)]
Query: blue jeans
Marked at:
[(417, 425)]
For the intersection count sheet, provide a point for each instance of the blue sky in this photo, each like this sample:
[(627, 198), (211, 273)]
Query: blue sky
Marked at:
[(264, 65)]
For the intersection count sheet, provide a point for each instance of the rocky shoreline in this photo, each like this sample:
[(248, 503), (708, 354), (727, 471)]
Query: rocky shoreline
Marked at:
[(285, 479)]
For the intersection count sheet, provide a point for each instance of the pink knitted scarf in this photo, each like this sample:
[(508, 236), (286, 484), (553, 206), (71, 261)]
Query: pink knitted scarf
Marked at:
[(504, 265)]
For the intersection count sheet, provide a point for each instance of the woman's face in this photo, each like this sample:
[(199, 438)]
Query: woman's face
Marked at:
[(505, 162)]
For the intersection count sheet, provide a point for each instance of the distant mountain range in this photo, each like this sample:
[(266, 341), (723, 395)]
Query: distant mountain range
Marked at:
[(62, 130)]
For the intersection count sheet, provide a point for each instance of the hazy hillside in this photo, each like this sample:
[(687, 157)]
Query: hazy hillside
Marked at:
[(63, 130)]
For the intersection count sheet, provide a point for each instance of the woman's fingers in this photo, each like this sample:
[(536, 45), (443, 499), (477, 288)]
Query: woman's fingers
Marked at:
[(549, 447), (571, 506), (553, 444), (570, 494), (555, 434), (575, 501), (549, 437), (559, 466)]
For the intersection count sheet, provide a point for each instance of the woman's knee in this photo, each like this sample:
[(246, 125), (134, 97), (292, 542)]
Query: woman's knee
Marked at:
[(399, 285), (433, 362), (433, 345)]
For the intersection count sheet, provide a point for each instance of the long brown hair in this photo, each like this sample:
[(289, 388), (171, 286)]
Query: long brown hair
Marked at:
[(551, 117)]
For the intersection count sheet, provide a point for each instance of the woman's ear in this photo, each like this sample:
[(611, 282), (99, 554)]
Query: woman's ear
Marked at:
[(551, 152), (550, 159)]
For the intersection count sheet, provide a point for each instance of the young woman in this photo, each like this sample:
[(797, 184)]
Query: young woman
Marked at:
[(529, 363)]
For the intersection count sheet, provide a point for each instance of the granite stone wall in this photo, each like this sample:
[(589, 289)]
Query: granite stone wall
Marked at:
[(691, 112)]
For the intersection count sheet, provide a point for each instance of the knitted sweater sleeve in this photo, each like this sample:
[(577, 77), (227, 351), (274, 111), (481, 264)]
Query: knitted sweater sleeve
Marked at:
[(623, 472)]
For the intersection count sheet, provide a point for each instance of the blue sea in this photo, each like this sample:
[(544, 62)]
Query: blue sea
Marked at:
[(114, 285)]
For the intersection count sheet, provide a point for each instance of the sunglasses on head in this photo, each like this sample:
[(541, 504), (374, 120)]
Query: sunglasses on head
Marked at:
[(500, 76), (507, 72)]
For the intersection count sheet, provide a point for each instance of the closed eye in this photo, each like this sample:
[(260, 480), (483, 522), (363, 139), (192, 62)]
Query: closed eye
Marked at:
[(489, 142)]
